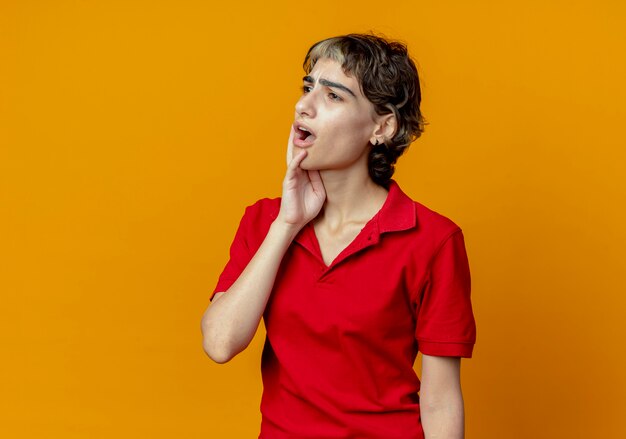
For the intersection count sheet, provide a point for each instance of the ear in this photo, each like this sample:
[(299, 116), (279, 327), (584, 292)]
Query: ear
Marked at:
[(386, 127)]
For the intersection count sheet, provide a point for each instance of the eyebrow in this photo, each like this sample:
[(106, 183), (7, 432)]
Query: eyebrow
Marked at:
[(328, 83)]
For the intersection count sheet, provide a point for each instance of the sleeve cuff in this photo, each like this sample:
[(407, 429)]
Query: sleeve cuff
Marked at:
[(444, 349), (214, 293), (222, 286)]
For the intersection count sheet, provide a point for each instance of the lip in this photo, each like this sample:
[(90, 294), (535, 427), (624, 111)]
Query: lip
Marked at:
[(303, 143)]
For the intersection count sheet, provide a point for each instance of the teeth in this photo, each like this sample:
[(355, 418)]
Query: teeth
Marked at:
[(303, 129)]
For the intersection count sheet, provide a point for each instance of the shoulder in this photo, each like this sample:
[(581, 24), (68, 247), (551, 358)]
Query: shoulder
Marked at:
[(263, 209), (257, 219), (429, 224), (439, 234), (434, 223)]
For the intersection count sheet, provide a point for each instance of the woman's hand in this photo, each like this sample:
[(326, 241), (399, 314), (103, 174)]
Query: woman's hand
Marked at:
[(303, 191)]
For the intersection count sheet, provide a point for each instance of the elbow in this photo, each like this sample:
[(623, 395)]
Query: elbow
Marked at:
[(216, 347), (220, 356)]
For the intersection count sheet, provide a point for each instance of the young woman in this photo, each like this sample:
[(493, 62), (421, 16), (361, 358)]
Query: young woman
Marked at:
[(350, 275)]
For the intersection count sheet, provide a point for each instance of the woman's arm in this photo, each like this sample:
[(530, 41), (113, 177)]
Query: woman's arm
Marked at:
[(441, 400), (230, 322)]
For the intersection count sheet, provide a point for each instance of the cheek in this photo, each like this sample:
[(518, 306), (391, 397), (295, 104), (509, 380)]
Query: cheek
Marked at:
[(348, 126), (349, 141), (359, 131)]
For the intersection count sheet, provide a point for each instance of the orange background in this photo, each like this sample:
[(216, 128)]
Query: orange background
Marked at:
[(134, 133)]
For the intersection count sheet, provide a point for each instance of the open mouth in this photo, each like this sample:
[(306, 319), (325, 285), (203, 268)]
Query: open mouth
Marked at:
[(304, 134)]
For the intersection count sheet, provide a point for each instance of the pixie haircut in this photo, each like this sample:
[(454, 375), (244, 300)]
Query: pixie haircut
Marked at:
[(388, 78)]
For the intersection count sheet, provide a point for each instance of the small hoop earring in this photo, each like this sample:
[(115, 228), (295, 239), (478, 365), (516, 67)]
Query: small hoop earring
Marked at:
[(376, 144)]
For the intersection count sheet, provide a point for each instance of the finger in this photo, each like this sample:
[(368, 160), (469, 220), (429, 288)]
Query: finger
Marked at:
[(290, 145), (314, 177), (316, 181), (295, 162)]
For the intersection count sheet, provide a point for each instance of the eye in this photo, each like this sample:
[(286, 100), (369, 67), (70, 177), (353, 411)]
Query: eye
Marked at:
[(334, 96), (306, 88)]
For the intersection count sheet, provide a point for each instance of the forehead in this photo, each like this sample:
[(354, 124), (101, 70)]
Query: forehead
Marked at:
[(326, 68)]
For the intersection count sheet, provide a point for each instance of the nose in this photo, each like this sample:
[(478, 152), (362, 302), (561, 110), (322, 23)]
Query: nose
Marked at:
[(306, 104)]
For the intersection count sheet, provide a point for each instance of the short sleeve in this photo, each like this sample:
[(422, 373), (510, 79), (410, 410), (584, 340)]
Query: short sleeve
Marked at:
[(240, 254), (445, 320)]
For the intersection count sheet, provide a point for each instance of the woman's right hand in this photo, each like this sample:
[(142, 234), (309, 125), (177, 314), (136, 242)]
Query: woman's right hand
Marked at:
[(303, 191)]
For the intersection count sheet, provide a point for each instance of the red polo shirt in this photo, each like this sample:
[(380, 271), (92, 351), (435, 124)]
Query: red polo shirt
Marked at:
[(342, 339)]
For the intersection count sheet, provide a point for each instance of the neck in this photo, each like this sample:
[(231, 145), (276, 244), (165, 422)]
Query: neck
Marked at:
[(350, 198)]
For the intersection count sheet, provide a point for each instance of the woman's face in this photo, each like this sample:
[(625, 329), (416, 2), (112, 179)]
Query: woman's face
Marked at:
[(339, 119)]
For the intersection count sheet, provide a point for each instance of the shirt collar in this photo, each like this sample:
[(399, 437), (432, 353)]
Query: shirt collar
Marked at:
[(398, 211), (397, 214)]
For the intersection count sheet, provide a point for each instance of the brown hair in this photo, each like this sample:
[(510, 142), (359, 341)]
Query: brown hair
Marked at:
[(388, 78)]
